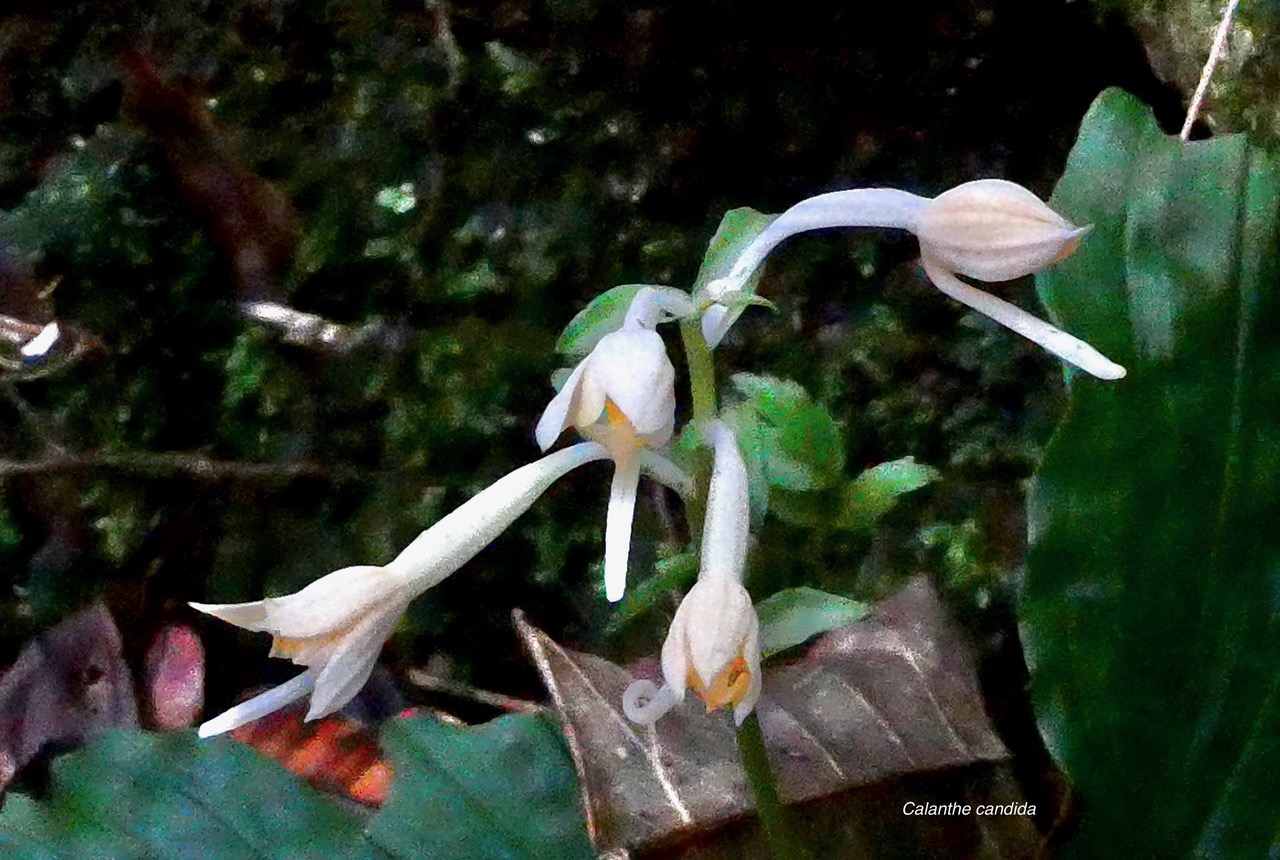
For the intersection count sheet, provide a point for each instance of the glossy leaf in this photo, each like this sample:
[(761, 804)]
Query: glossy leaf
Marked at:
[(132, 794), (604, 314), (859, 504), (795, 615), (504, 790), (1150, 601), (794, 440)]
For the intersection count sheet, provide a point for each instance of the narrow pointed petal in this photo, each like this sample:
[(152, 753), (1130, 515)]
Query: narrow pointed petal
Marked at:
[(451, 542), (675, 656), (349, 666), (617, 531), (259, 706), (1066, 347), (555, 418), (662, 470), (330, 603), (751, 653), (247, 615)]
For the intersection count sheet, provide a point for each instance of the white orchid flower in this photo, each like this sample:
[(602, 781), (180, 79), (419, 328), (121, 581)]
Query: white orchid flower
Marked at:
[(623, 396), (713, 645), (336, 626), (989, 229)]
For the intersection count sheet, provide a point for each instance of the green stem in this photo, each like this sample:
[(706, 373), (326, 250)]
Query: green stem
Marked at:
[(702, 386), (764, 787), (702, 371)]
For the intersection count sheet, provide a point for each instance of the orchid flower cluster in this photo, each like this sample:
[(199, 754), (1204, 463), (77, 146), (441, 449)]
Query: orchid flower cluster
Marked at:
[(621, 400)]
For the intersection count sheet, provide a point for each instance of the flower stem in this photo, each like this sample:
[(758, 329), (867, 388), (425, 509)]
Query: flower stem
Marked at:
[(764, 787), (702, 372)]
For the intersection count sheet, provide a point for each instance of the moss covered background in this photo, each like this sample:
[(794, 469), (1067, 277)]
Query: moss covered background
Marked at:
[(448, 183)]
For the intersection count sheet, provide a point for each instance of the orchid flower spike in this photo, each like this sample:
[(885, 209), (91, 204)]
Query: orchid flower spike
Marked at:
[(622, 395), (989, 229), (336, 626), (713, 645)]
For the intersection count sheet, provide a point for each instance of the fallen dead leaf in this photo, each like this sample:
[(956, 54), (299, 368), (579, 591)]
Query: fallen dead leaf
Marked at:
[(858, 718), (66, 686)]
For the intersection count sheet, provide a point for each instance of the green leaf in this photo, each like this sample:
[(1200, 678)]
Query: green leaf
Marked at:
[(796, 440), (132, 794), (859, 504), (1150, 600), (503, 790), (795, 615), (604, 314), (874, 493), (674, 574), (737, 229)]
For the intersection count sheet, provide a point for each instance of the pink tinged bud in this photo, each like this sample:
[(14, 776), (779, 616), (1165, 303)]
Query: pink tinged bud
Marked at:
[(994, 230)]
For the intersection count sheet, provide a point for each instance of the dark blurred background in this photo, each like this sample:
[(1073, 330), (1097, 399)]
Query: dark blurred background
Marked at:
[(448, 183)]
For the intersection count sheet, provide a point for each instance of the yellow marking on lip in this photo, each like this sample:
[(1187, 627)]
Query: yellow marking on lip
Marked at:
[(615, 414), (728, 687)]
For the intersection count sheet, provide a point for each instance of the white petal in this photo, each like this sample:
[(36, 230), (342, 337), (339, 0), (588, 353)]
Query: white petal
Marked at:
[(719, 619), (633, 370), (727, 524), (1066, 347), (350, 664), (259, 706), (250, 616), (451, 542), (665, 472), (42, 342), (556, 416), (617, 531), (675, 654), (330, 603)]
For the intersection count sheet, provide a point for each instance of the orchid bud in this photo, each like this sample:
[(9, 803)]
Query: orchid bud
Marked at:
[(994, 230)]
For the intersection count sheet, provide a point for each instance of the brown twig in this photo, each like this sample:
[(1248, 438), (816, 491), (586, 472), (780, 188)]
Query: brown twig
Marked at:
[(171, 464), (427, 681)]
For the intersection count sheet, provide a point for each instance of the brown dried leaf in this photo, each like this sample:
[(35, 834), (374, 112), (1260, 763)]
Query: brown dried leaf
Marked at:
[(66, 686), (891, 695)]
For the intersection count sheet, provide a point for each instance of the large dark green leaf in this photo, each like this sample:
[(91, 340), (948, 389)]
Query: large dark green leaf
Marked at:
[(1151, 602), (504, 790), (172, 796)]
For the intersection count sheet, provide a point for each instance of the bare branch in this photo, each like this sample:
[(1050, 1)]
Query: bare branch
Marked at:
[(1215, 56), (427, 681), (173, 464)]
